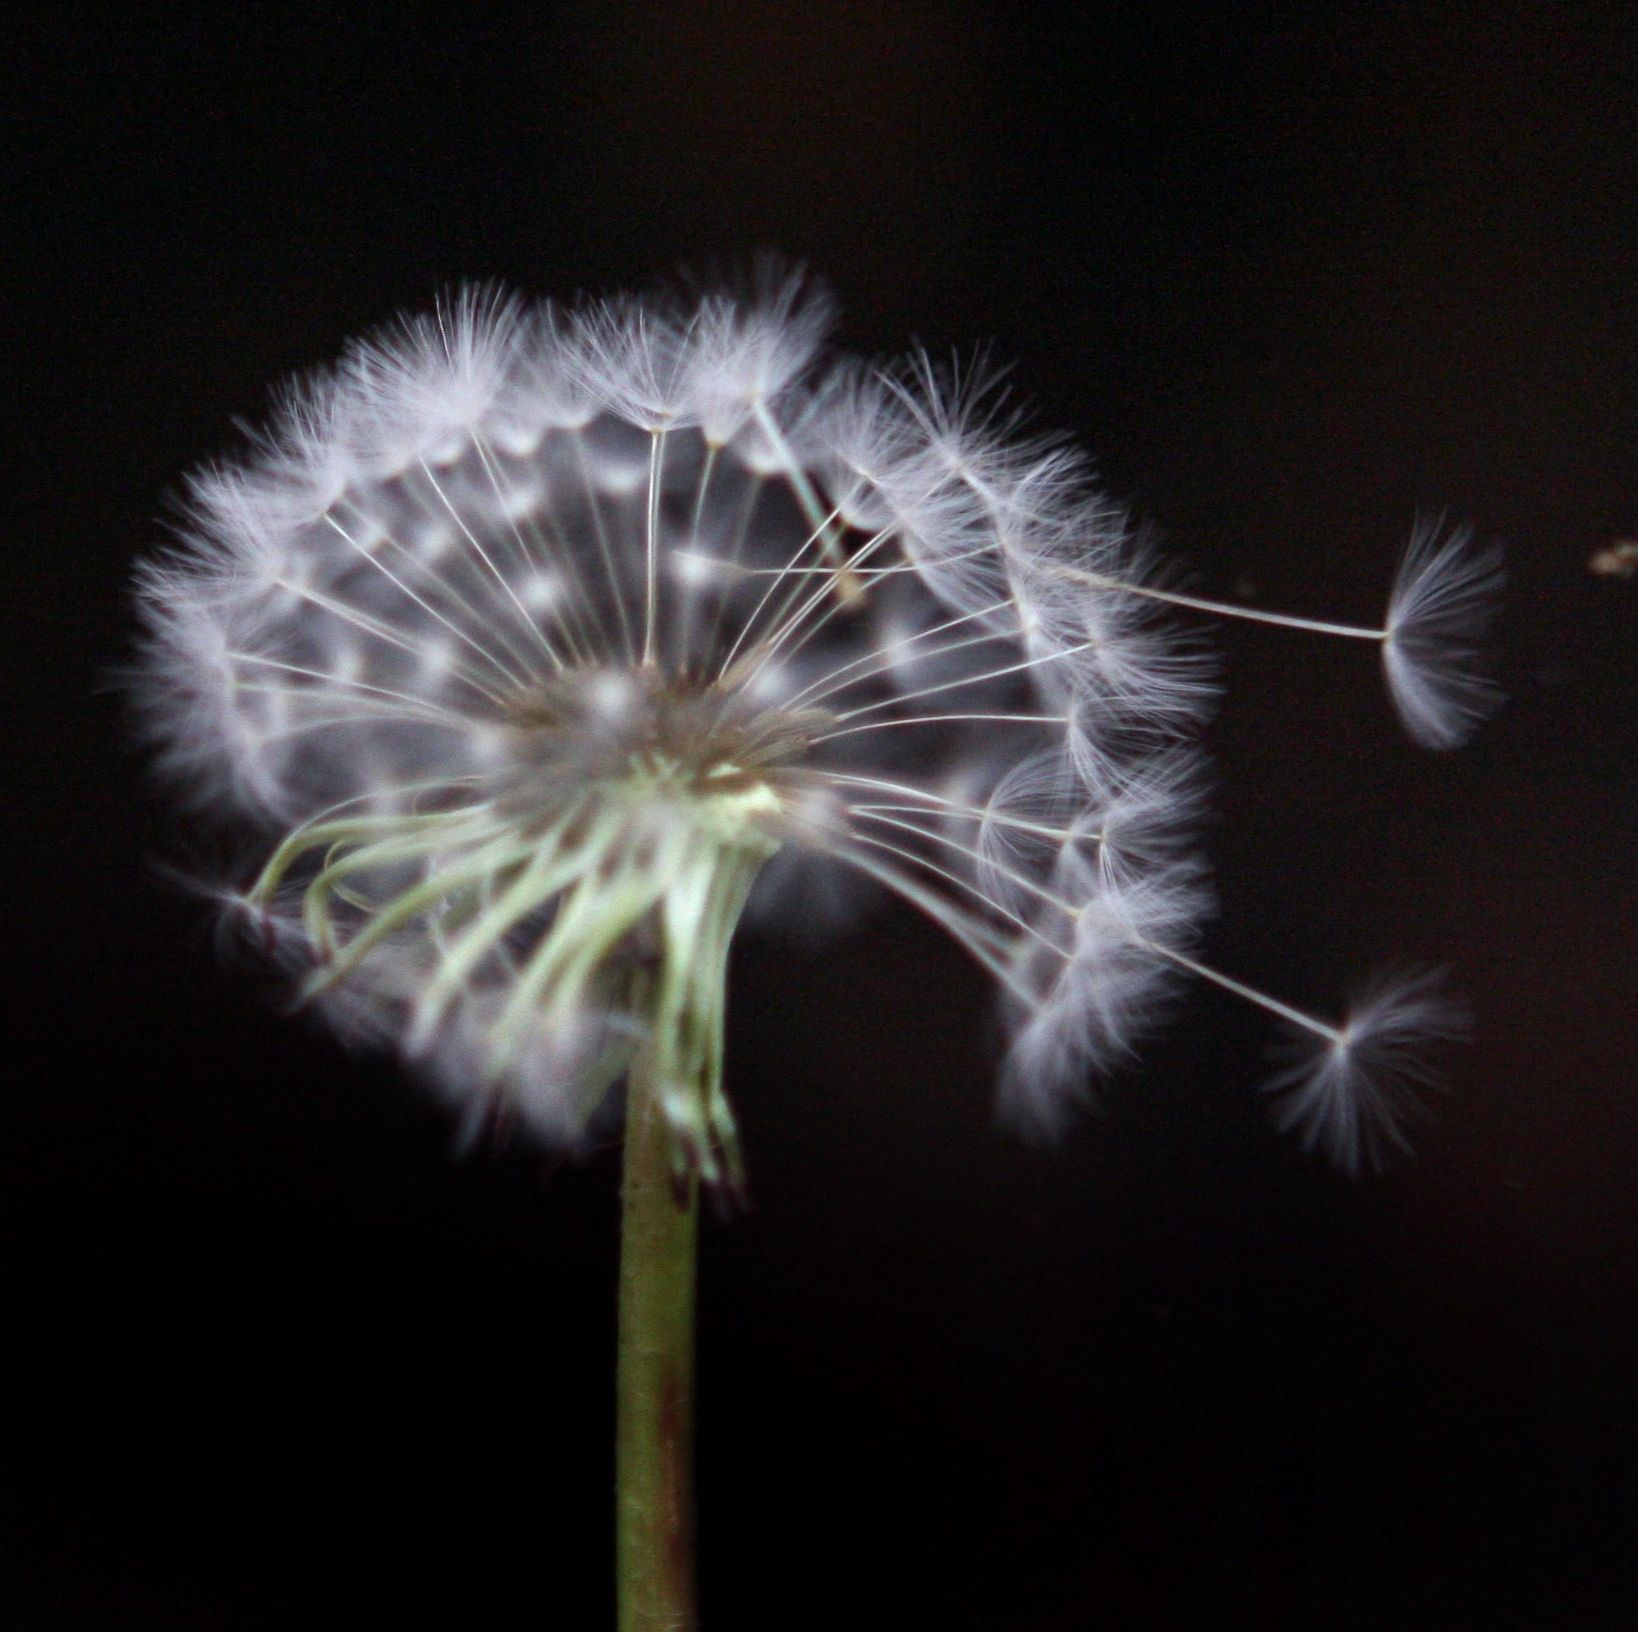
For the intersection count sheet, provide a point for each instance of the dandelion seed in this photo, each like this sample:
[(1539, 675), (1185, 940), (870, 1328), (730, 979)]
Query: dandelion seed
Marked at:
[(536, 636), (1443, 600)]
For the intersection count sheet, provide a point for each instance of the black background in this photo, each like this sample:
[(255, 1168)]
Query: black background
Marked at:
[(273, 1358)]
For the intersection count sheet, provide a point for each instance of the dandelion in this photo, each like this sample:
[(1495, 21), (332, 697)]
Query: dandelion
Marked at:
[(549, 645)]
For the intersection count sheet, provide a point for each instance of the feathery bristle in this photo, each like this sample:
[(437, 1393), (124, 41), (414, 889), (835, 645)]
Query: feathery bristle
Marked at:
[(1353, 1095), (1444, 598)]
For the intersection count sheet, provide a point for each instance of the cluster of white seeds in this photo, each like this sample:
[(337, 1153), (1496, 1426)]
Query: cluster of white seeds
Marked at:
[(550, 640)]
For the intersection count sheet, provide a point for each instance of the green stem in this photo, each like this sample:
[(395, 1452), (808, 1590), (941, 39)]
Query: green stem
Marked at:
[(654, 1435)]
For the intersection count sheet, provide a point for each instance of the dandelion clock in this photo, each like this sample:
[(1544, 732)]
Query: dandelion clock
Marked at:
[(550, 650)]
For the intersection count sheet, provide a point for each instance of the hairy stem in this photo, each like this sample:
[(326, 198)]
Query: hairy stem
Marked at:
[(654, 1436)]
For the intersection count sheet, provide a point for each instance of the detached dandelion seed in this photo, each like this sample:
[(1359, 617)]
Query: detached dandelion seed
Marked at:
[(534, 636)]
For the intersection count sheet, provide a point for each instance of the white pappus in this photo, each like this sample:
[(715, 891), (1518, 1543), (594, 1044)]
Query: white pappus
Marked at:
[(532, 636)]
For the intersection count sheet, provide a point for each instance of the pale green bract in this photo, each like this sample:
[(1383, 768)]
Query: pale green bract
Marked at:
[(642, 862)]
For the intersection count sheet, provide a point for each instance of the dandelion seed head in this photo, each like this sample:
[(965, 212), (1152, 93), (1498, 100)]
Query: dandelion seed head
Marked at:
[(543, 642)]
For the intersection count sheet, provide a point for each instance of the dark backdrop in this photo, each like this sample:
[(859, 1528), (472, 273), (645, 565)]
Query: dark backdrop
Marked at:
[(274, 1358)]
